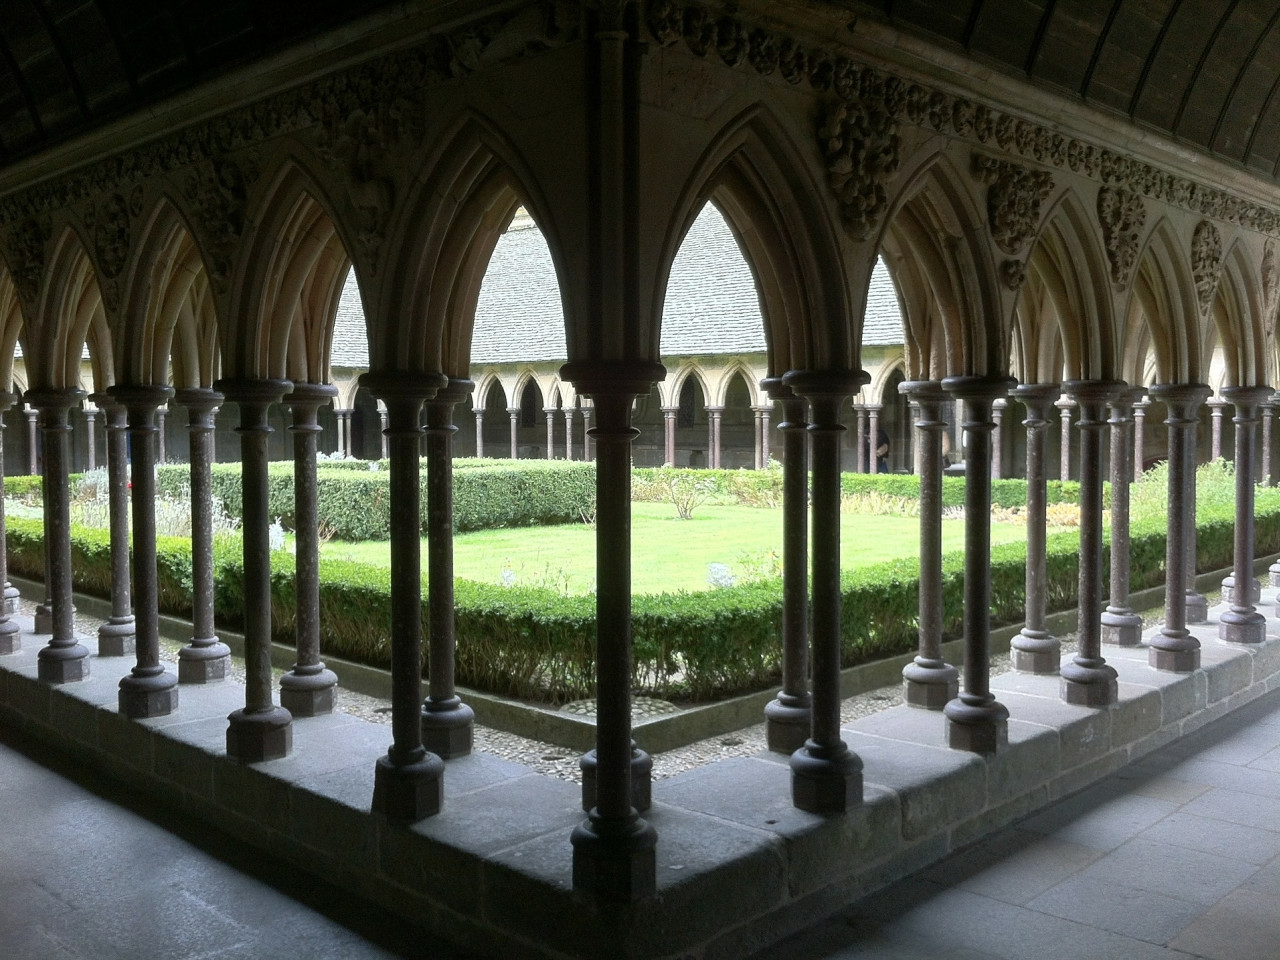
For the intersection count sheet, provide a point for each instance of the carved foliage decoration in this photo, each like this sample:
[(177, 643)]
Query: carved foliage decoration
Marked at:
[(860, 147), (217, 191), (1014, 196), (1206, 262), (1122, 215), (24, 252), (1270, 285)]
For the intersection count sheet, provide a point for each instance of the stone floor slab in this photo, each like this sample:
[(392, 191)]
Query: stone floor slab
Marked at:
[(1244, 926)]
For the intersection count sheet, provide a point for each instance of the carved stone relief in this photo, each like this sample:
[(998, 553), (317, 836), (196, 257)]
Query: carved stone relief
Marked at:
[(1122, 215), (1014, 196), (1206, 262), (860, 146), (1270, 285), (25, 254), (217, 191)]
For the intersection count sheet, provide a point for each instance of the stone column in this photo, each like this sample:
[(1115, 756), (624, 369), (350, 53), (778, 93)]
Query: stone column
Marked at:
[(1174, 648), (63, 659), (382, 417), (1197, 603), (1216, 408), (1241, 623), (669, 415), (91, 435), (586, 434), (764, 437), (567, 413), (1035, 649), (206, 658), (826, 776), (1064, 452), (788, 717), (513, 413), (929, 681), (759, 438), (997, 438), (976, 720), (344, 430), (116, 633), (308, 689), (1265, 410), (159, 427), (860, 439), (873, 433), (479, 415), (1139, 439), (10, 638), (447, 723), (33, 443), (614, 850), (1087, 679), (409, 781), (550, 413), (149, 690), (260, 730), (714, 415), (1120, 625), (917, 452)]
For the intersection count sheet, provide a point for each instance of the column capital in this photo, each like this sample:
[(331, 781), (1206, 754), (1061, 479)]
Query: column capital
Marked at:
[(714, 409), (1092, 396), (1064, 404), (253, 391), (923, 391), (1217, 404), (140, 399), (776, 389), (53, 398), (1246, 397), (6, 401), (198, 399), (969, 387), (1181, 400), (391, 386), (600, 378), (455, 390), (826, 384), (1036, 397), (306, 394)]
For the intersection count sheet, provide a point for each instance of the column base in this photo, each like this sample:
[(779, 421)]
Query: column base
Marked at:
[(1121, 628), (1178, 653), (10, 637), (448, 727), (204, 661), (408, 792), (42, 621), (929, 684), (11, 598), (1242, 627), (1035, 651), (615, 860), (787, 723), (1273, 574), (65, 664), (825, 779), (1229, 589), (116, 637), (1091, 684), (311, 694), (978, 726), (1197, 608), (641, 779), (259, 735), (153, 696)]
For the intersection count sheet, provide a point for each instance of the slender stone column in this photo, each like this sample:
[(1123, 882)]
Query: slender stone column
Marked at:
[(764, 437), (1217, 406), (997, 438), (1120, 625), (669, 415), (344, 431), (1035, 649), (714, 415), (10, 638), (33, 443), (447, 723), (479, 415), (116, 633), (788, 717), (826, 776), (873, 434), (1087, 679), (586, 434), (1242, 623), (1064, 451), (567, 413), (917, 451), (160, 450), (1174, 648), (550, 413), (614, 850), (1265, 410), (758, 438), (260, 730), (1197, 603), (1139, 438), (976, 720), (513, 413), (63, 659), (860, 461), (205, 659), (149, 690), (308, 689), (382, 417), (91, 435), (929, 681)]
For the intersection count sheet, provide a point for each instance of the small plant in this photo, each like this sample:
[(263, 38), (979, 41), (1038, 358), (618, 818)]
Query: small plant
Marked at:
[(719, 576), (275, 535), (875, 503), (688, 492), (764, 565)]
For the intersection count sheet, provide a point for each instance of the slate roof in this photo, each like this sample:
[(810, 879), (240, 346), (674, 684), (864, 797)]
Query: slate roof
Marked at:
[(711, 304)]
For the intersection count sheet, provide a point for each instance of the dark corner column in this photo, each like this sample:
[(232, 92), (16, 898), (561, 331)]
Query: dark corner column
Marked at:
[(63, 659), (1174, 648), (997, 438), (976, 720), (929, 681), (669, 435), (614, 849), (409, 780), (116, 633), (307, 689), (205, 659), (1087, 679), (1241, 622), (479, 415), (826, 776), (513, 414), (447, 723), (260, 730), (1120, 625), (788, 717), (10, 641), (148, 690), (1035, 649)]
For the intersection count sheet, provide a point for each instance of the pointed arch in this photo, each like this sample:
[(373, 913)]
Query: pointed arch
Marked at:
[(1237, 313), (736, 368), (69, 299), (1165, 291), (11, 326)]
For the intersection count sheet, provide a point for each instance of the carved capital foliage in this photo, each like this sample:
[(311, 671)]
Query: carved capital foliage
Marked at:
[(1206, 262), (1013, 273), (860, 147), (1122, 215), (25, 244), (1014, 196), (216, 192)]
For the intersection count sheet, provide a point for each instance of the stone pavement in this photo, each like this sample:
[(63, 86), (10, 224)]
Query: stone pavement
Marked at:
[(1176, 856)]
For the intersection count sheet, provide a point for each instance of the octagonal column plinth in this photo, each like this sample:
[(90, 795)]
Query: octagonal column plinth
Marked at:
[(307, 689), (116, 634), (788, 717), (1035, 649), (260, 730), (928, 681), (149, 690), (10, 637), (614, 850), (64, 659), (826, 776), (1088, 680), (1174, 648), (409, 781), (1120, 625), (1242, 623), (976, 721), (447, 723), (205, 659)]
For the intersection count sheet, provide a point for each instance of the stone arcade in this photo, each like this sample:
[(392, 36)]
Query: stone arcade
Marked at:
[(1081, 205)]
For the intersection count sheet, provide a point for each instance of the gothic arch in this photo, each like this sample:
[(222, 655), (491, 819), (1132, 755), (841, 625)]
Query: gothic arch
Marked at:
[(686, 370), (874, 392), (11, 325), (1238, 311), (1163, 288), (736, 368), (69, 299)]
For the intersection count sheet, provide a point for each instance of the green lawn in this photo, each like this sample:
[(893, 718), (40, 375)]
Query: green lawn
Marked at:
[(667, 553)]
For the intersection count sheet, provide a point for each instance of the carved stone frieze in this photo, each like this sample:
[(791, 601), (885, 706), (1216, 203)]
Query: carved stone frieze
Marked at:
[(1013, 273), (25, 252), (1270, 284), (1014, 196), (1122, 215), (860, 146), (1206, 262), (217, 191)]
